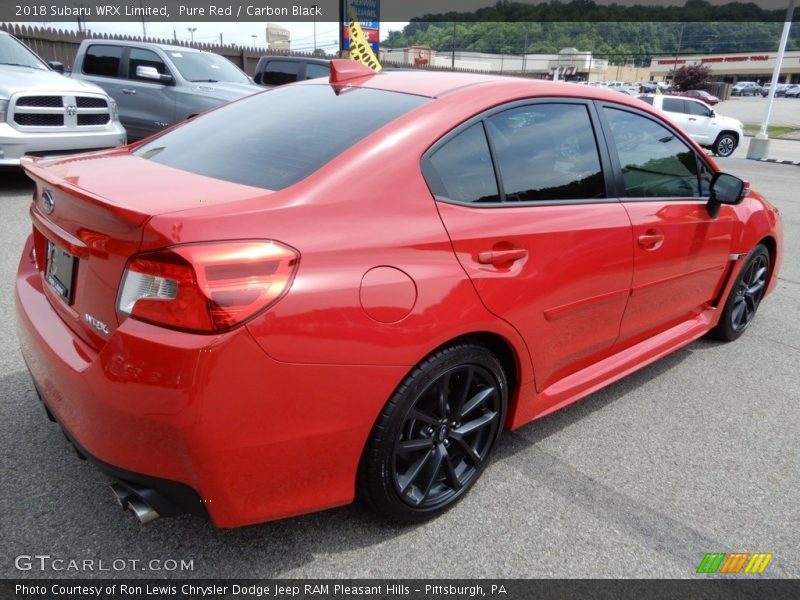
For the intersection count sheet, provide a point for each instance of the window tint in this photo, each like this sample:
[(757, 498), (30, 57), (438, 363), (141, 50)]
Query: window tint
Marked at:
[(279, 72), (102, 60), (205, 66), (647, 99), (314, 71), (144, 58), (673, 105), (697, 108), (655, 162), (274, 139), (464, 168), (546, 152)]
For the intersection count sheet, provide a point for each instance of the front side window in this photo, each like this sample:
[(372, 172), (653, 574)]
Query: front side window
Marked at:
[(655, 162), (144, 58), (546, 152), (280, 72), (698, 108), (205, 66), (102, 60)]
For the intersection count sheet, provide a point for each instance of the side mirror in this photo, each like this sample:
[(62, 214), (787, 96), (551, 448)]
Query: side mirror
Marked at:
[(56, 66), (713, 113), (725, 189), (144, 72)]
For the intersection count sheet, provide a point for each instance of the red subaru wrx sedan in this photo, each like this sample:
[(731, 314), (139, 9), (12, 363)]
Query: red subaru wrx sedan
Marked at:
[(349, 288)]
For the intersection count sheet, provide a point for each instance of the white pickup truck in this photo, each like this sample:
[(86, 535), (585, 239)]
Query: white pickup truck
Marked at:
[(709, 129), (45, 113)]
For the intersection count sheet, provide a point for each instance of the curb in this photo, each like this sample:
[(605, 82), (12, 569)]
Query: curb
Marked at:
[(781, 162)]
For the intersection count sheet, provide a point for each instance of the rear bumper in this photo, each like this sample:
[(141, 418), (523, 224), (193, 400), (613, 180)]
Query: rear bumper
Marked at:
[(255, 438), (15, 144)]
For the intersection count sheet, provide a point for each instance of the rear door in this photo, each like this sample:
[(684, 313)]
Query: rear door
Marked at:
[(522, 193), (680, 252)]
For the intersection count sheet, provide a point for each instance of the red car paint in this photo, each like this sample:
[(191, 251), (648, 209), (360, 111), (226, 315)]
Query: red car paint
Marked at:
[(269, 418)]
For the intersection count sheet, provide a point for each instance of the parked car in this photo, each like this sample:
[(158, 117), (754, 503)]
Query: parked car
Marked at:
[(780, 89), (45, 113), (703, 96), (275, 70), (264, 325), (709, 129), (157, 85), (793, 90), (746, 88)]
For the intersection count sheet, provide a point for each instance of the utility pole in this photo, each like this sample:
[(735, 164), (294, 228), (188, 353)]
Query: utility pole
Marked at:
[(525, 54), (144, 29), (220, 39), (174, 35), (453, 60), (677, 51)]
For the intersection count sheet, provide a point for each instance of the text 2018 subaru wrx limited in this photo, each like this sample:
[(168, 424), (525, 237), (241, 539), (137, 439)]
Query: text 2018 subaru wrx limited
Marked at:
[(349, 288)]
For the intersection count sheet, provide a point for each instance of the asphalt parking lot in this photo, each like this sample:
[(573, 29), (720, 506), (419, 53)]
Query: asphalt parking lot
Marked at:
[(696, 453)]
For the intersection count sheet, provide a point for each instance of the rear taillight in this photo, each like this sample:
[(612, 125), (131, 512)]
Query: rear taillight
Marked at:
[(206, 287)]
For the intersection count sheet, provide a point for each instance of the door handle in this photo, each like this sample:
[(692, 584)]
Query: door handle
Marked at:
[(500, 258), (692, 119), (652, 239), (129, 91)]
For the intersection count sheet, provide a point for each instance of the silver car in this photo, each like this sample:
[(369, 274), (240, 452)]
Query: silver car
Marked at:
[(43, 112), (158, 85)]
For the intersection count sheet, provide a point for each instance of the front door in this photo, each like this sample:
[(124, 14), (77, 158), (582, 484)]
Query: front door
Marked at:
[(680, 252), (523, 197)]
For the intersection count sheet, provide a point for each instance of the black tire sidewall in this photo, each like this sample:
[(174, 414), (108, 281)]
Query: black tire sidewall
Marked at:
[(724, 330), (376, 480)]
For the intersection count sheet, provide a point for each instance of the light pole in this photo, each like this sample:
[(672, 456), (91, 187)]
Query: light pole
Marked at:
[(759, 145), (315, 7), (191, 31), (255, 37)]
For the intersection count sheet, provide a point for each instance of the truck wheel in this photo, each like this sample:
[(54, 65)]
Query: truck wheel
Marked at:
[(725, 144)]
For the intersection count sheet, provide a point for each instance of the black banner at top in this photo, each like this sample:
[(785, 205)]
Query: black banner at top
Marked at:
[(390, 10)]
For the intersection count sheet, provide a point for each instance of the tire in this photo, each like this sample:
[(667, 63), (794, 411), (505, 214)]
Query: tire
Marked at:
[(745, 296), (725, 144), (435, 435)]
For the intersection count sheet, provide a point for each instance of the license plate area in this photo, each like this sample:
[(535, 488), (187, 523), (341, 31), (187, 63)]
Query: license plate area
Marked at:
[(60, 271)]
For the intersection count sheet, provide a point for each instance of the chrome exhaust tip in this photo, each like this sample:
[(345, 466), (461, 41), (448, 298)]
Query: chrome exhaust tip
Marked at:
[(143, 511), (128, 499)]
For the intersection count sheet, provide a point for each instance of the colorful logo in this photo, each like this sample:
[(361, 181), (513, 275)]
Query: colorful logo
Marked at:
[(719, 562)]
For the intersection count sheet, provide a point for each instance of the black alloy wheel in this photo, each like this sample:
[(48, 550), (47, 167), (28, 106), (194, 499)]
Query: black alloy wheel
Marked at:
[(745, 296), (436, 434)]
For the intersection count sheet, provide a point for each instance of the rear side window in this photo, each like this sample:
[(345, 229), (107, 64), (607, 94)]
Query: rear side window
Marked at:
[(145, 58), (314, 71), (464, 169), (655, 162), (546, 152), (102, 60), (280, 72), (274, 139), (673, 105)]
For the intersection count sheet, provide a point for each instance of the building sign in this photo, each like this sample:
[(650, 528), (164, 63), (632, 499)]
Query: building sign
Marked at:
[(368, 13)]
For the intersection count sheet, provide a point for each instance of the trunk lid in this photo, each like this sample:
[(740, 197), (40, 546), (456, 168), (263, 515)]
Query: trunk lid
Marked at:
[(89, 214)]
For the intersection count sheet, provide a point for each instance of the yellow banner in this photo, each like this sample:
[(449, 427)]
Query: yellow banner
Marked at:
[(360, 49)]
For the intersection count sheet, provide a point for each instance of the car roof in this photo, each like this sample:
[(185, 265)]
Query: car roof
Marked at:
[(167, 47), (438, 84)]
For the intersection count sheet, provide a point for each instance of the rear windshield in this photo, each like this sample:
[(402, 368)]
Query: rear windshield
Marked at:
[(274, 139)]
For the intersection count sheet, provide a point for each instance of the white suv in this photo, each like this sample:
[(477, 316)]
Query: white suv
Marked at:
[(721, 134)]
